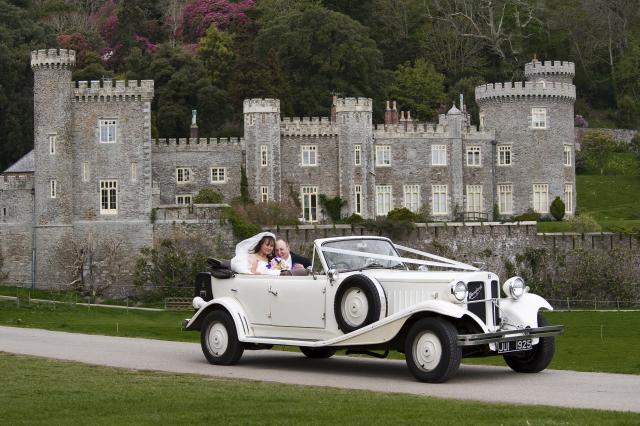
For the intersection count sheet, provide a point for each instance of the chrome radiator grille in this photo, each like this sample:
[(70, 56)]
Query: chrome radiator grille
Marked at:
[(487, 311)]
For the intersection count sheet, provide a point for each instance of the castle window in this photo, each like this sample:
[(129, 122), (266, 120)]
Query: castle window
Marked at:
[(474, 198), (538, 118), (357, 154), (567, 155), (85, 172), (505, 199), (134, 172), (481, 120), (309, 203), (4, 212), (264, 194), (568, 198), (473, 156), (412, 197), (218, 175), (108, 197), (53, 188), (264, 157), (383, 155), (438, 155), (541, 198), (383, 199), (439, 203), (107, 131), (309, 155), (504, 155), (52, 144), (184, 200), (183, 174), (357, 207)]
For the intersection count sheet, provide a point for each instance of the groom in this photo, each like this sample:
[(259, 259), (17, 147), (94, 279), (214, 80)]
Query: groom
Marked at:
[(292, 260)]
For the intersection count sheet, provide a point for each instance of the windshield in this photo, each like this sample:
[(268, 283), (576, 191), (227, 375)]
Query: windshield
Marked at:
[(351, 262)]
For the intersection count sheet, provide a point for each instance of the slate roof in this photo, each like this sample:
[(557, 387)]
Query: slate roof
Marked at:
[(24, 165)]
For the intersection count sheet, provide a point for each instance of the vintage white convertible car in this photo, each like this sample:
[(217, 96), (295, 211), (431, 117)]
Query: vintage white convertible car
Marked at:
[(363, 296)]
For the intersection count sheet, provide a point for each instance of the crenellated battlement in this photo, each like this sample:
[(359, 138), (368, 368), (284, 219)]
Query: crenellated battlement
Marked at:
[(261, 105), (549, 68), (52, 59), (354, 104), (199, 142), (13, 182), (307, 126), (527, 89), (107, 90)]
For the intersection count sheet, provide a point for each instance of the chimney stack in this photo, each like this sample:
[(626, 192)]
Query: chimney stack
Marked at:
[(333, 108), (391, 114)]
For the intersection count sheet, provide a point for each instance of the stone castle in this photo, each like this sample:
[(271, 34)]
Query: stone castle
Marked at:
[(96, 173)]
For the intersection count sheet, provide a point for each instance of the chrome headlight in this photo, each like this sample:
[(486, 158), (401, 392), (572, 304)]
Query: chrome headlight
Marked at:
[(514, 287), (459, 290)]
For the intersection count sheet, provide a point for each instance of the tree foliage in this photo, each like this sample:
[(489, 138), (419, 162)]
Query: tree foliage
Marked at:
[(418, 87)]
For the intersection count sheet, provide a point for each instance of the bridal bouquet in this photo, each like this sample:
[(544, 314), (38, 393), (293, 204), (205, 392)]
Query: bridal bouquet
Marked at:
[(278, 264)]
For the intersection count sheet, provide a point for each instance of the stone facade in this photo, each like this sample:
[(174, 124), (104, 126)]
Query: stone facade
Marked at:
[(98, 175)]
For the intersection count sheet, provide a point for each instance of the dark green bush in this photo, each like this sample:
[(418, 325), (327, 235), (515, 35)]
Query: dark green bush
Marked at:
[(403, 214), (332, 207), (529, 215), (208, 196), (557, 208)]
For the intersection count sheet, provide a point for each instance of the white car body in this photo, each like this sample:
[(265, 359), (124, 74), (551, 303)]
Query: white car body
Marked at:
[(359, 304)]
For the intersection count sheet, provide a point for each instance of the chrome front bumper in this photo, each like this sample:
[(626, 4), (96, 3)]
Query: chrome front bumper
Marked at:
[(509, 335)]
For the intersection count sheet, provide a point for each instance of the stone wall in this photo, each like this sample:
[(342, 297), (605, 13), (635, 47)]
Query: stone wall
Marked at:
[(622, 135)]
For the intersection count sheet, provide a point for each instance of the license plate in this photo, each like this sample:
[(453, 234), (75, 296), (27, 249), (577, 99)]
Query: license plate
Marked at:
[(514, 346)]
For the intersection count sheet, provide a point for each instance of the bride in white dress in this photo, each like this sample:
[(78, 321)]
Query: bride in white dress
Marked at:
[(253, 255)]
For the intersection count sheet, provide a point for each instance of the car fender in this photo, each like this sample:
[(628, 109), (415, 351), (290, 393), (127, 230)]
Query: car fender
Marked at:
[(523, 312), (230, 305)]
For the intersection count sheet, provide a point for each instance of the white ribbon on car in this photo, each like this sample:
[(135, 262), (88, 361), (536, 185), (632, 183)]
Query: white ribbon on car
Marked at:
[(445, 263)]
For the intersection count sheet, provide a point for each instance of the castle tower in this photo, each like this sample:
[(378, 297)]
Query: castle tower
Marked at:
[(533, 123), (356, 154), (262, 138), (455, 120)]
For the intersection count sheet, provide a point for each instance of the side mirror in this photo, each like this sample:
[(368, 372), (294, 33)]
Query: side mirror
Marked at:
[(333, 274)]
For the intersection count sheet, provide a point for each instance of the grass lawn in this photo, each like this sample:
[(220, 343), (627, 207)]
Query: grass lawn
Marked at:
[(593, 341), (54, 392)]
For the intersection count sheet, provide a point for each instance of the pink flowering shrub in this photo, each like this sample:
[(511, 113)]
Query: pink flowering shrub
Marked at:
[(148, 44), (201, 14)]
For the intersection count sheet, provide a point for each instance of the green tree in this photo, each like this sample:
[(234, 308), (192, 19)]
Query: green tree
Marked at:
[(596, 150), (627, 83), (215, 50), (418, 88), (557, 208)]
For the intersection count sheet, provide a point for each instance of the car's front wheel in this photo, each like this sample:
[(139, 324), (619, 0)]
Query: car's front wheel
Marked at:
[(432, 350), (536, 359), (317, 353), (219, 339)]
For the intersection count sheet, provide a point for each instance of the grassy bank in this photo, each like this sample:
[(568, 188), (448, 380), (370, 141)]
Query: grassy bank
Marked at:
[(72, 393), (593, 341)]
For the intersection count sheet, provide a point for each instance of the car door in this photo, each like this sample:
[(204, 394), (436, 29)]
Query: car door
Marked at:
[(298, 301), (252, 291)]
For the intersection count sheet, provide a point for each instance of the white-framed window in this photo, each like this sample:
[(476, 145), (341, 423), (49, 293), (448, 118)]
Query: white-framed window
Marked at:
[(504, 155), (309, 155), (541, 197), (412, 197), (473, 156), (264, 155), (309, 203), (264, 194), (184, 200), (357, 207), (567, 155), (505, 198), (383, 199), (383, 155), (53, 188), (538, 118), (439, 200), (357, 154), (218, 175), (134, 172), (438, 155), (85, 171), (52, 144), (568, 198), (107, 131), (183, 174), (108, 197), (474, 198)]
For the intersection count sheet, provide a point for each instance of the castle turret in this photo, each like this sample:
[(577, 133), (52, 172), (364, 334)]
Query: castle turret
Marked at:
[(533, 123), (356, 155), (262, 138)]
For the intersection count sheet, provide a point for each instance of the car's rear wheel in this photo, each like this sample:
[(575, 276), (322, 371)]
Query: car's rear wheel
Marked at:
[(357, 303), (317, 353), (219, 339), (432, 351), (536, 359)]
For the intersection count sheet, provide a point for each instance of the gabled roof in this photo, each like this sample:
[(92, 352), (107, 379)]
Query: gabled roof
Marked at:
[(24, 165)]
